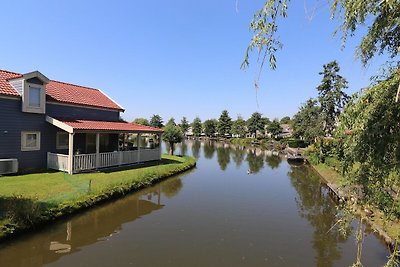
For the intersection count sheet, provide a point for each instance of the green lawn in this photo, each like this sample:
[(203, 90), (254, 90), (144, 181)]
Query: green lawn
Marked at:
[(26, 200)]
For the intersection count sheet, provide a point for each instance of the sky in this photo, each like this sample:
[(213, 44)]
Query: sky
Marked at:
[(177, 58)]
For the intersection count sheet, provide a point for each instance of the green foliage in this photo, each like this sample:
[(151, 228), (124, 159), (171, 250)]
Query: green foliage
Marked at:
[(264, 26), (210, 127), (197, 127), (239, 127), (141, 121), (170, 122), (156, 121), (224, 124), (370, 127), (172, 134), (184, 125), (255, 123), (274, 128), (294, 142), (285, 120), (382, 19), (307, 122), (331, 95)]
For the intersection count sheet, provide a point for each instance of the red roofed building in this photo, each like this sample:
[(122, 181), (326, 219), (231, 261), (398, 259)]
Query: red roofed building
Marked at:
[(68, 127)]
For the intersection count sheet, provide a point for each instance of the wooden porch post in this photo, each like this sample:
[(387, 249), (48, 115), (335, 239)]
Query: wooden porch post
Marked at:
[(97, 150), (70, 153), (159, 140), (138, 145)]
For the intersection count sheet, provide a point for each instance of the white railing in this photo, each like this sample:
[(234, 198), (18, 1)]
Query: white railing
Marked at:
[(57, 161), (85, 162)]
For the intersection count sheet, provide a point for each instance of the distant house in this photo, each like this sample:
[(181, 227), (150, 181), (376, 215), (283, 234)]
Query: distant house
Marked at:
[(287, 131), (62, 126)]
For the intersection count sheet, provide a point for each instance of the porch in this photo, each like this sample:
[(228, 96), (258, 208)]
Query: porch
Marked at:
[(90, 145)]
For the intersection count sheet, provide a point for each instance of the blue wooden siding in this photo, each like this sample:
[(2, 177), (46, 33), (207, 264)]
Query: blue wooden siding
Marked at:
[(69, 112), (13, 121)]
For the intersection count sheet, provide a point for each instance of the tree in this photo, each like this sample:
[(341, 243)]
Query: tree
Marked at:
[(224, 124), (383, 34), (255, 123), (274, 128), (239, 127), (285, 120), (370, 128), (307, 122), (184, 125), (156, 121), (141, 121), (171, 121), (196, 127), (172, 135), (210, 127), (331, 95)]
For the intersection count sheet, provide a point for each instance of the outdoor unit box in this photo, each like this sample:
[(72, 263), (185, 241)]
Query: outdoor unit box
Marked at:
[(8, 166)]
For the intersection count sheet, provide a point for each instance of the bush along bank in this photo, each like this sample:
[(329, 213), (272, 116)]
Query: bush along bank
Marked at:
[(30, 201), (388, 228)]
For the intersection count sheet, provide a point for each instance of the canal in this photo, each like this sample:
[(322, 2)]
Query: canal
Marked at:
[(239, 207)]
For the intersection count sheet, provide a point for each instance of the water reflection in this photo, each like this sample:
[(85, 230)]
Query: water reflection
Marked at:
[(196, 148), (319, 209), (238, 154), (209, 149), (255, 158), (88, 228), (272, 160), (223, 155)]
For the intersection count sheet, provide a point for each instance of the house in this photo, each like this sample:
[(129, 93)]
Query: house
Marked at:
[(287, 131), (62, 126)]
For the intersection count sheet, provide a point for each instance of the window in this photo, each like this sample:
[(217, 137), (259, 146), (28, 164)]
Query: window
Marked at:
[(34, 96), (30, 141), (62, 140)]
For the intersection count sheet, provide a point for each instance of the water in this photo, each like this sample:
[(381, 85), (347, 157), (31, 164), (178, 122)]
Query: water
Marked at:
[(237, 208)]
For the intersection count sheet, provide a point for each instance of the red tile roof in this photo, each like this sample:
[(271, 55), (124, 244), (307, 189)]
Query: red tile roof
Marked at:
[(63, 92), (5, 86), (109, 126)]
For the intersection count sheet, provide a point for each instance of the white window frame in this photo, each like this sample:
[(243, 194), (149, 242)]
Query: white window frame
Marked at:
[(26, 107), (23, 141), (58, 145)]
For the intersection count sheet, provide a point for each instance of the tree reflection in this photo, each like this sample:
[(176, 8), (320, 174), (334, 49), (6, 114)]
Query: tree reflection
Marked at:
[(273, 161), (209, 149), (171, 187), (183, 148), (223, 157), (320, 210), (196, 149), (238, 154), (255, 160)]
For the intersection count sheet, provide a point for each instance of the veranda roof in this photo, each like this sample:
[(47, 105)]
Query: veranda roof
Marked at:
[(75, 125)]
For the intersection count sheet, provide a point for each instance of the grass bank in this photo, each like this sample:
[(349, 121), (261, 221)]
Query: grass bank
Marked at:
[(387, 228), (27, 201)]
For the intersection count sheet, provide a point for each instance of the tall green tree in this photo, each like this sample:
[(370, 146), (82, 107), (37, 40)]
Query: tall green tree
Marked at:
[(255, 123), (141, 121), (185, 125), (172, 135), (239, 127), (285, 120), (370, 128), (331, 95), (307, 122), (156, 121), (171, 121), (210, 127), (274, 128), (197, 127), (224, 123)]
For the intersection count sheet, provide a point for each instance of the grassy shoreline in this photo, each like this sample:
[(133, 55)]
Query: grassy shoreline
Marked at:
[(32, 200), (388, 230)]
